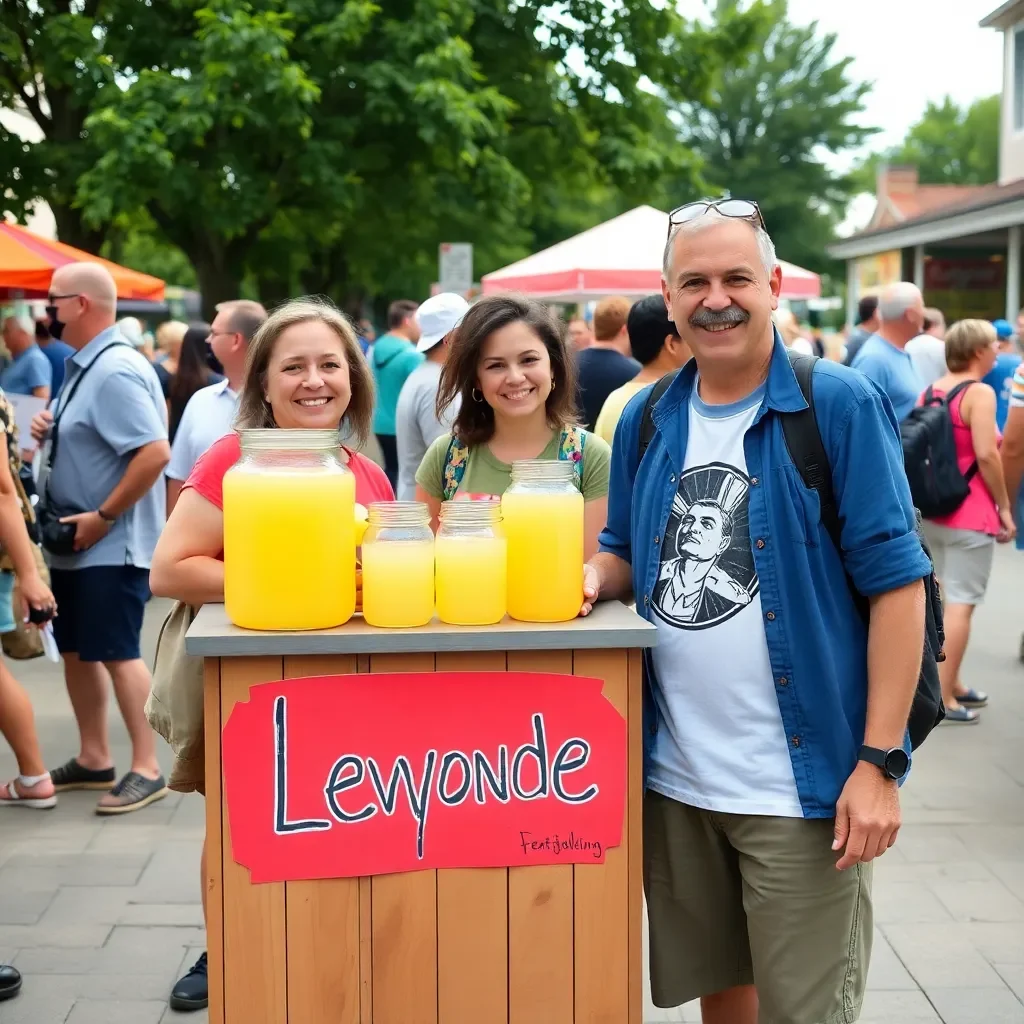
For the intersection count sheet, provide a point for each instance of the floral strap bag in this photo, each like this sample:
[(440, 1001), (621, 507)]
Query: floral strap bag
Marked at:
[(570, 448)]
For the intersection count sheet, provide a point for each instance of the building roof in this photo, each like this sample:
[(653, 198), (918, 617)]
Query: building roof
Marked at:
[(930, 198), (1003, 16)]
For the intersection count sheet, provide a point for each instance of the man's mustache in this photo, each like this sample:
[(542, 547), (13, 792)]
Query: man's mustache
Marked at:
[(732, 315)]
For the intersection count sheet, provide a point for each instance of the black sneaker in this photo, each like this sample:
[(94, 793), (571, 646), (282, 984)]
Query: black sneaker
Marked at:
[(10, 981), (133, 792), (192, 992)]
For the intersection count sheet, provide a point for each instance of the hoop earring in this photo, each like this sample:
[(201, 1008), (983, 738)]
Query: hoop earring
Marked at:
[(552, 383), (474, 392)]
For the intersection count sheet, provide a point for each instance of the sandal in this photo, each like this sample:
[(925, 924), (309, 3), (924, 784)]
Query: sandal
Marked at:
[(9, 797), (72, 775), (972, 698), (961, 716)]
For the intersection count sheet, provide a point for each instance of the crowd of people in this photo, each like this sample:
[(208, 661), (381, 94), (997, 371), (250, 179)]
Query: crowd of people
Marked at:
[(773, 750)]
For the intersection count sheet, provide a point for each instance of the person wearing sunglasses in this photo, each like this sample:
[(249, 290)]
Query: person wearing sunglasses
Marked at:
[(773, 740)]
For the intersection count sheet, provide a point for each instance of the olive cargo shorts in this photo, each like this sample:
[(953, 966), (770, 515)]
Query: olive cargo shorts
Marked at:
[(739, 899)]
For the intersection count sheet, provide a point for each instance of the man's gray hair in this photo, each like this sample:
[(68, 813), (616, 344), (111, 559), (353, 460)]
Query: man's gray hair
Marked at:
[(765, 245), (24, 321), (896, 299)]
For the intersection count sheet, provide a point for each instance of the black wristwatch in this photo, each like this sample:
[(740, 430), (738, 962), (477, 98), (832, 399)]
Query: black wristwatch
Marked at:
[(895, 762), (105, 516)]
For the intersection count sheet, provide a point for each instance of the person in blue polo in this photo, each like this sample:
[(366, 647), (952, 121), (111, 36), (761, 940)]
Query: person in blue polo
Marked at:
[(766, 714), (1000, 377)]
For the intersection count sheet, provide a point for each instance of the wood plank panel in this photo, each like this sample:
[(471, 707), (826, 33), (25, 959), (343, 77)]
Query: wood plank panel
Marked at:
[(404, 918), (214, 880), (540, 918), (472, 915), (601, 891), (635, 827), (255, 940), (365, 919), (322, 915)]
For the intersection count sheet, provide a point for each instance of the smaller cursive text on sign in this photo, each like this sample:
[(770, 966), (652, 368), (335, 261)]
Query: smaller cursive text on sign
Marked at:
[(337, 776)]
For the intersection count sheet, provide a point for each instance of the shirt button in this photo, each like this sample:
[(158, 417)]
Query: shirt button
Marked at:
[(647, 599), (672, 479), (754, 480), (770, 616), (760, 543), (796, 741), (657, 541), (783, 681)]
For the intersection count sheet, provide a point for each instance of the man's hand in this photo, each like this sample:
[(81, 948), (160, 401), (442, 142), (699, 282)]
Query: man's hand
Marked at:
[(90, 527), (40, 426), (591, 588), (867, 816)]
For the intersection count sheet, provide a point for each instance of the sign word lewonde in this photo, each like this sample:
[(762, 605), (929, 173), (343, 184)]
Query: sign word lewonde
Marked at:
[(338, 776)]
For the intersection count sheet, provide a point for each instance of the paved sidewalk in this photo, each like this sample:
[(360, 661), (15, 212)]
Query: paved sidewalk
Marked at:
[(101, 915)]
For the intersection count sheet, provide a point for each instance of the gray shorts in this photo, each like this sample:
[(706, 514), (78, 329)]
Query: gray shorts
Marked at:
[(963, 561)]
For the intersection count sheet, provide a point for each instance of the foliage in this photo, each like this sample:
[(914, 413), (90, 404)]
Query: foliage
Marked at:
[(949, 145), (769, 126)]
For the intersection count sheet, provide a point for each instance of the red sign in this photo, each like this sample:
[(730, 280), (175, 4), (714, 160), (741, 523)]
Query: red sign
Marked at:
[(337, 776)]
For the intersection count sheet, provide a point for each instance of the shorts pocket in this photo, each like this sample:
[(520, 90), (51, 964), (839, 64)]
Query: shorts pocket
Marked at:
[(799, 509)]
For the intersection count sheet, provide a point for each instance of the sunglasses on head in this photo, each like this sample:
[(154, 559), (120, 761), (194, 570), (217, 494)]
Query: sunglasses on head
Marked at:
[(739, 209)]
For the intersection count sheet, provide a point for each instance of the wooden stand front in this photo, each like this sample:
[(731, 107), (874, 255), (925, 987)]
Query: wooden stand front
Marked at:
[(556, 944)]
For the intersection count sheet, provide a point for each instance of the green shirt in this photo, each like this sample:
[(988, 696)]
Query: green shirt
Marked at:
[(486, 475)]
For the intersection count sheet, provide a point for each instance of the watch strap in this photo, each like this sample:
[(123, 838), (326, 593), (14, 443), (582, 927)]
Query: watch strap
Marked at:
[(873, 755)]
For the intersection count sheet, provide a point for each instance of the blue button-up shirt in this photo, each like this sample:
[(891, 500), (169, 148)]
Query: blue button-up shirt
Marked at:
[(817, 640)]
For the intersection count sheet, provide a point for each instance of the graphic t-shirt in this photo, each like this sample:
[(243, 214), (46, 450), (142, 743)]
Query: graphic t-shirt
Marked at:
[(721, 745), (486, 475)]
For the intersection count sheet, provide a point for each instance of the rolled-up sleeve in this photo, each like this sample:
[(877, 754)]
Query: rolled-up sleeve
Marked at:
[(882, 550), (128, 417), (615, 537)]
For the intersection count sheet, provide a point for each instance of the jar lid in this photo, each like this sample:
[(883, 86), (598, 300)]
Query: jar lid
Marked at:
[(483, 511), (543, 470), (279, 439)]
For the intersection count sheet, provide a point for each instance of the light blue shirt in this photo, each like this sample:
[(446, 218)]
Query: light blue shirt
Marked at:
[(892, 369), (26, 372), (118, 408)]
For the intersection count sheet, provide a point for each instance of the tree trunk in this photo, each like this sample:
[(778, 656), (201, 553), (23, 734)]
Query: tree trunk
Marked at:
[(217, 283), (72, 230)]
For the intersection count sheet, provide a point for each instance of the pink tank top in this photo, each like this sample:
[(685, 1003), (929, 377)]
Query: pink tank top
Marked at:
[(978, 512)]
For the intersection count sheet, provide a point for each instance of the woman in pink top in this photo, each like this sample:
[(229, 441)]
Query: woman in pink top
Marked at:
[(962, 542)]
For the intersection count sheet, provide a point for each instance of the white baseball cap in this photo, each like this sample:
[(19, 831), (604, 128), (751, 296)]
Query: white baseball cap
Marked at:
[(437, 316)]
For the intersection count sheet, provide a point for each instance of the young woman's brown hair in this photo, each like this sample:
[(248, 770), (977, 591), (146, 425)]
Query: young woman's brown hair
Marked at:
[(253, 408), (474, 423)]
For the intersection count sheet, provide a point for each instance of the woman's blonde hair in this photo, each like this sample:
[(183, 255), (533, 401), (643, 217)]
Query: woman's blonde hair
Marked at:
[(254, 409), (964, 340), (170, 332), (789, 327)]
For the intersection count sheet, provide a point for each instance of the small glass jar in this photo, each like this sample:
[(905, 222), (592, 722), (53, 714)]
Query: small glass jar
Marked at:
[(470, 563), (542, 516), (289, 532), (398, 565)]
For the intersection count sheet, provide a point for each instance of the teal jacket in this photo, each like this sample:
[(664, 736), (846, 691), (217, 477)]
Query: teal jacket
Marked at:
[(392, 359)]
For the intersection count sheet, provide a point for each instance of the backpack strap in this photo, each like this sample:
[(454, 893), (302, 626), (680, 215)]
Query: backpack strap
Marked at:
[(647, 427), (807, 450), (455, 459), (947, 401), (570, 448)]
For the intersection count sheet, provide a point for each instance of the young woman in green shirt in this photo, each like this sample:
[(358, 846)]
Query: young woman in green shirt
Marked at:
[(509, 365)]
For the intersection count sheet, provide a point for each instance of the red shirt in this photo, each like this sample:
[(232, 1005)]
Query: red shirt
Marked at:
[(207, 476)]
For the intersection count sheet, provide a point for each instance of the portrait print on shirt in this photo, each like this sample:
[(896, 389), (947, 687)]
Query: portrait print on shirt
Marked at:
[(707, 568)]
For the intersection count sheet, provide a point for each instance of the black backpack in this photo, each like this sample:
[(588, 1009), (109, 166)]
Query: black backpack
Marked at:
[(929, 455), (803, 439)]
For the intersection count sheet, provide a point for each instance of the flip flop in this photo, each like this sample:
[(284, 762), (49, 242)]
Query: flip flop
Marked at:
[(972, 698), (961, 716), (9, 798)]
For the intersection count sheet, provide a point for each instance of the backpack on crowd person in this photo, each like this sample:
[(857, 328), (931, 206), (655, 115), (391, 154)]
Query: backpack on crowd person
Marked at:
[(937, 485), (807, 450)]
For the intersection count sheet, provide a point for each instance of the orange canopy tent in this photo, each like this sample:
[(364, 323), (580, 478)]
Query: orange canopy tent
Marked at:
[(27, 262)]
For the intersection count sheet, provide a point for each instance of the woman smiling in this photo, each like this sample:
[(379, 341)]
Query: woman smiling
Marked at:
[(509, 362)]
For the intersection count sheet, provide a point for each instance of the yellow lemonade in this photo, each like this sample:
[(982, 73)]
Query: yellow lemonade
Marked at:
[(398, 583), (289, 548), (471, 580), (545, 555)]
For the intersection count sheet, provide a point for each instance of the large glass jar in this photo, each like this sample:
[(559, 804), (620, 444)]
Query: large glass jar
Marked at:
[(289, 532), (398, 565), (470, 563), (542, 516)]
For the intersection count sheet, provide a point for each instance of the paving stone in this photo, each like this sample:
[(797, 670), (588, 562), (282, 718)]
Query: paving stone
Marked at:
[(54, 960), (898, 1008), (67, 936), (930, 844), (954, 870), (887, 972), (993, 842), (979, 901), (195, 1017), (24, 906), (1002, 943), (172, 875), (35, 1005), (975, 1005), (60, 869), (1011, 874), (106, 986), (906, 903), (162, 914), (151, 950), (1013, 975), (102, 1011), (101, 904), (941, 955)]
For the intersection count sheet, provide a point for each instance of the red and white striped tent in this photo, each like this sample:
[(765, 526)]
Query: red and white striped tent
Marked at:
[(622, 256)]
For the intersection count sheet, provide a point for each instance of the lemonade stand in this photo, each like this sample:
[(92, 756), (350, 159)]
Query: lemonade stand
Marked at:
[(419, 824)]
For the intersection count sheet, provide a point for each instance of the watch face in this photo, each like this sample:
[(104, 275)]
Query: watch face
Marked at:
[(897, 763)]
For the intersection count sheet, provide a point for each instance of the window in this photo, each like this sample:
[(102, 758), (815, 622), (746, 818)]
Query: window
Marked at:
[(1018, 79)]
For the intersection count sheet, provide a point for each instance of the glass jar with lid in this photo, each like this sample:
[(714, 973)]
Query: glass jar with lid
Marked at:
[(470, 563), (398, 565), (542, 516), (289, 531)]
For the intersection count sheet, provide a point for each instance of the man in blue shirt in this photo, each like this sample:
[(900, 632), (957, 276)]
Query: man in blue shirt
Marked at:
[(1000, 377), (763, 709), (28, 372), (884, 358), (58, 352)]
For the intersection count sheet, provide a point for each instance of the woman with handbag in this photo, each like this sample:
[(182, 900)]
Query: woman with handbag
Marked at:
[(19, 570), (304, 370)]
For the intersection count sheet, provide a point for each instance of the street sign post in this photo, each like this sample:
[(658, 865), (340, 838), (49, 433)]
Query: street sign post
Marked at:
[(455, 267)]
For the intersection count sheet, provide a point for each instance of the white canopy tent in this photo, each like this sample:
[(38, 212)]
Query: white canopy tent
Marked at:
[(622, 256)]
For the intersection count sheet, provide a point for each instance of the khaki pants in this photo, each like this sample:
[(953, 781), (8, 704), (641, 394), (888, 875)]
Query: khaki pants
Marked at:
[(738, 899)]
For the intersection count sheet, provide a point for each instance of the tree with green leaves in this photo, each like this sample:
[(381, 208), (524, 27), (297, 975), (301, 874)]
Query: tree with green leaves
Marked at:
[(769, 127), (949, 145)]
